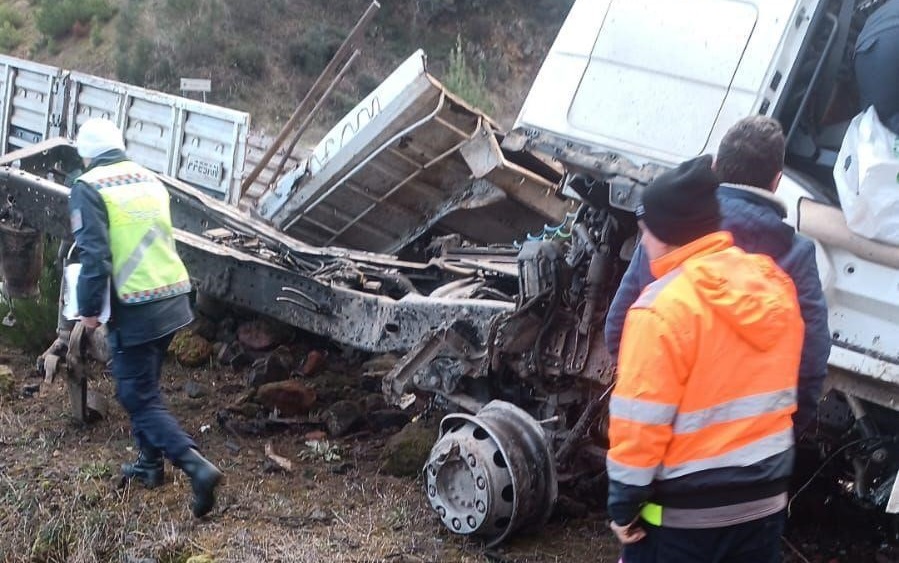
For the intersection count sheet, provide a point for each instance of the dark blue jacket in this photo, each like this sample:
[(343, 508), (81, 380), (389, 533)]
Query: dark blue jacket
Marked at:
[(755, 218), (130, 325)]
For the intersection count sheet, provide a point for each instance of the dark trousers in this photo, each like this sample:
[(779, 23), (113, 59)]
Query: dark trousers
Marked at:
[(752, 542), (136, 370)]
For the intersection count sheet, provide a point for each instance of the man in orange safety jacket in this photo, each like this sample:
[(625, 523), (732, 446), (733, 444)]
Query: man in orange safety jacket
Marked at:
[(701, 442)]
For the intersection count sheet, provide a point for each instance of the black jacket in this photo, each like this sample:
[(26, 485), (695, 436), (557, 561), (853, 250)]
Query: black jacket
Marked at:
[(130, 325)]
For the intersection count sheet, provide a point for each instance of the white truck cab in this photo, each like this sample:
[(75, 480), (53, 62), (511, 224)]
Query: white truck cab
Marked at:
[(631, 87)]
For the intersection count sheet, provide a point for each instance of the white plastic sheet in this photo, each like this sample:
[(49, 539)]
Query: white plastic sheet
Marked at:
[(867, 178)]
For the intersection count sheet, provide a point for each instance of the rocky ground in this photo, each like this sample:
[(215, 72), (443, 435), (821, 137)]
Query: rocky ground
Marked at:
[(317, 468)]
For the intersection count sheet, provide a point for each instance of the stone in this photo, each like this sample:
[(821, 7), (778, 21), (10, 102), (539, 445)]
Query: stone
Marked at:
[(386, 419), (195, 389), (406, 452), (203, 326), (313, 363), (272, 368), (342, 417), (290, 398), (263, 334), (233, 354), (190, 349)]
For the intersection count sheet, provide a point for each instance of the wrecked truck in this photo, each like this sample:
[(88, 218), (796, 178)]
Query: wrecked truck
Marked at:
[(417, 226)]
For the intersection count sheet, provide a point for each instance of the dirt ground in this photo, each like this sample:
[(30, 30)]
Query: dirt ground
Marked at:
[(61, 499)]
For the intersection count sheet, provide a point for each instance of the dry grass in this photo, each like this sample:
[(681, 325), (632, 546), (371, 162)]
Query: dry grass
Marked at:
[(60, 500)]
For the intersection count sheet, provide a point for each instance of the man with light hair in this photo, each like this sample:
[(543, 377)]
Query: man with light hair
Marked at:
[(123, 230), (749, 164)]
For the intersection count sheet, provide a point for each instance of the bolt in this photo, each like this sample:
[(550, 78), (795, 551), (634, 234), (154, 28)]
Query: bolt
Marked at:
[(457, 525), (432, 470), (482, 508), (441, 511), (482, 483), (432, 490), (471, 460), (472, 522)]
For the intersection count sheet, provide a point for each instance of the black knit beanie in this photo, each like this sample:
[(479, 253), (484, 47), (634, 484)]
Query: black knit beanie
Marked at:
[(680, 205)]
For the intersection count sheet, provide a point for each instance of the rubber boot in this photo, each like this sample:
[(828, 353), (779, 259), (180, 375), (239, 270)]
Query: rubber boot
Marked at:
[(148, 468), (204, 478)]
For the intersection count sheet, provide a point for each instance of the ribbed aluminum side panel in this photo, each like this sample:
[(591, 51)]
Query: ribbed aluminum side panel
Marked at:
[(29, 109), (199, 143)]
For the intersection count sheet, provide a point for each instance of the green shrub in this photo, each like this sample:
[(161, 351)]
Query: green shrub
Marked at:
[(315, 46), (55, 18), (10, 37), (96, 32), (35, 326), (11, 16), (462, 80), (248, 59)]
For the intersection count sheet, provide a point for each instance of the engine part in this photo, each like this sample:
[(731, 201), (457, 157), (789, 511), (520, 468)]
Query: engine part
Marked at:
[(491, 474)]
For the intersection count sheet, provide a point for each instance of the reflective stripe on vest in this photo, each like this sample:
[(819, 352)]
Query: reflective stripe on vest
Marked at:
[(714, 517), (145, 265), (749, 454)]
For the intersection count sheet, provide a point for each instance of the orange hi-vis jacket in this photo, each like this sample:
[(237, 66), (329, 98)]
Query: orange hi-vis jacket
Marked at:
[(700, 425)]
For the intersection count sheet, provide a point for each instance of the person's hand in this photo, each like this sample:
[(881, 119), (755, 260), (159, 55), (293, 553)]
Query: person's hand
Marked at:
[(90, 323), (628, 534)]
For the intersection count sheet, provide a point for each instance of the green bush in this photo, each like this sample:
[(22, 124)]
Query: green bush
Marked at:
[(55, 18), (96, 32), (315, 46), (10, 37), (248, 59), (35, 326), (11, 16), (465, 82), (11, 33)]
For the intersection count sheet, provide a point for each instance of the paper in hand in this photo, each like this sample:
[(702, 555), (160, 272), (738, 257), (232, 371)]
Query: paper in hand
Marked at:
[(70, 296)]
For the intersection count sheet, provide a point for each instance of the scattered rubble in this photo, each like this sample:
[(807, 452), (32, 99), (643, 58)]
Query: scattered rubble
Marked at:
[(195, 389), (263, 334), (272, 368), (289, 398), (275, 462), (406, 452), (191, 350), (342, 417), (313, 363)]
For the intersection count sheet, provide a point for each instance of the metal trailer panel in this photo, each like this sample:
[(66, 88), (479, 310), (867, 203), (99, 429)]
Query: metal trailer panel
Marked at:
[(407, 157), (257, 144), (30, 103), (198, 143)]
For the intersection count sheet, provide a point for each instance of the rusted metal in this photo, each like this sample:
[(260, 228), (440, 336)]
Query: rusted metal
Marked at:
[(21, 258), (314, 111), (275, 266), (491, 474), (340, 58)]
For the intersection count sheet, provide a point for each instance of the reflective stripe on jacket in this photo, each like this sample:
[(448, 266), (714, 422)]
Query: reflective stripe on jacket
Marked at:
[(707, 373), (145, 265)]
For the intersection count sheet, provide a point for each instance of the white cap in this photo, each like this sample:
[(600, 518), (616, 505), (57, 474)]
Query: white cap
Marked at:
[(97, 136)]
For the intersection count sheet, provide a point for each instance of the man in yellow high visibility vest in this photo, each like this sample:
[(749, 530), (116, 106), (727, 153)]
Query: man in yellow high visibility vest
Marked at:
[(123, 229)]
